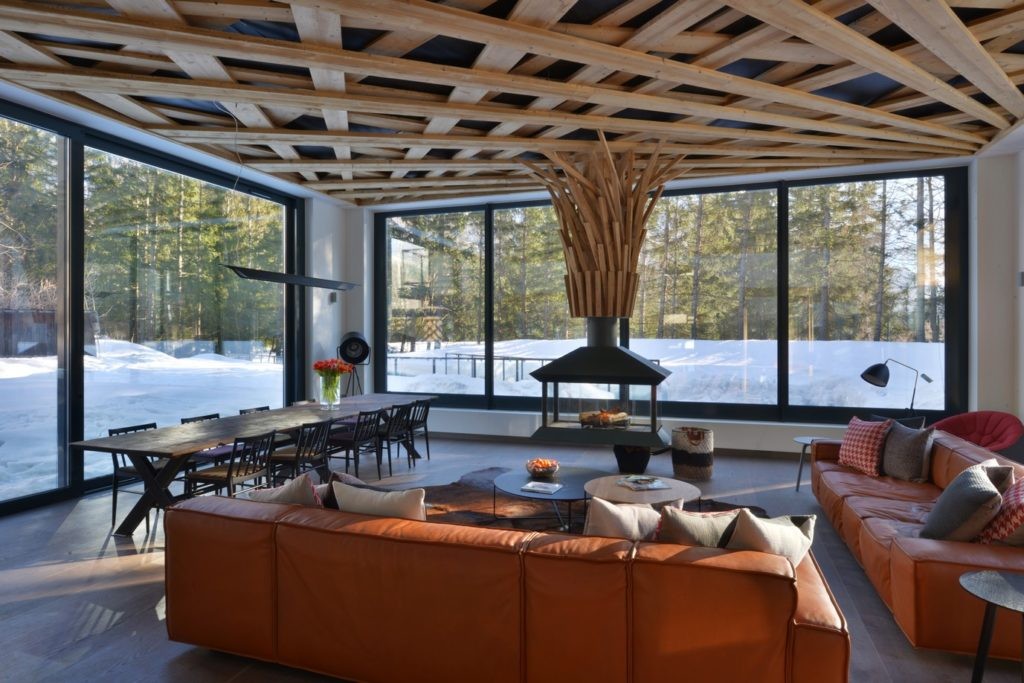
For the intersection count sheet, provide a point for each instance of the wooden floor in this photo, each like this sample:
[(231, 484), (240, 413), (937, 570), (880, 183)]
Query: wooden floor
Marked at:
[(77, 603)]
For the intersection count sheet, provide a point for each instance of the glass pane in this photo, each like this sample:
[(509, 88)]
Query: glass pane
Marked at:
[(170, 332), (532, 325), (31, 217), (436, 303), (867, 284), (706, 306)]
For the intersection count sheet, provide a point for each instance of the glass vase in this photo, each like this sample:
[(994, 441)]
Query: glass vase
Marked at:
[(330, 389)]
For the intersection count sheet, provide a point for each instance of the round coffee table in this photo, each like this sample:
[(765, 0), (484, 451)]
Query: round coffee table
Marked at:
[(572, 480), (608, 489)]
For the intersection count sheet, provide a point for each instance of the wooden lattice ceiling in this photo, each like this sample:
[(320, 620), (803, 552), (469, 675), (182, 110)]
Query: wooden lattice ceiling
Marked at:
[(386, 100)]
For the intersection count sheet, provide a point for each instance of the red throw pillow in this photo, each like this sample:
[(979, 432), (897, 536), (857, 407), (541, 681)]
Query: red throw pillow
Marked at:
[(862, 445), (1008, 525)]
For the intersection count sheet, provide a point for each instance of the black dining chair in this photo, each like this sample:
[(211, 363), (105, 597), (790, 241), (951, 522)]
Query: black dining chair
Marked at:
[(394, 429), (249, 462), (418, 424), (126, 473), (309, 452), (246, 411), (210, 456), (355, 439)]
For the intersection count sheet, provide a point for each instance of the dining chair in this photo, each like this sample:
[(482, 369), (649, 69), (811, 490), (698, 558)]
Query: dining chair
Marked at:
[(309, 452), (394, 429), (249, 462), (125, 472), (418, 423), (210, 456), (305, 402), (358, 438), (246, 411)]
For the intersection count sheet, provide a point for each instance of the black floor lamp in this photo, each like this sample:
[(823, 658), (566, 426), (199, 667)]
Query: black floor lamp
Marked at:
[(878, 375)]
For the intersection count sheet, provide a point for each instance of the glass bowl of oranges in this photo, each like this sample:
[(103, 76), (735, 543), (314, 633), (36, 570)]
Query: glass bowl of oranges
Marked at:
[(542, 468)]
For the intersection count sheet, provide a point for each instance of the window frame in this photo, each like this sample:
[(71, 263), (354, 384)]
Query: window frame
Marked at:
[(957, 197), (71, 276)]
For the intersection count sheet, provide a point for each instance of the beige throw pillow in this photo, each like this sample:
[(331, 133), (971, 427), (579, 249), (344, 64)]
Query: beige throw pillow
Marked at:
[(298, 491), (786, 536), (406, 504), (632, 521), (707, 529)]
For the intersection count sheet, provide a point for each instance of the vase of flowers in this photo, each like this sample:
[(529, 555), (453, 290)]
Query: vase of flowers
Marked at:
[(330, 371)]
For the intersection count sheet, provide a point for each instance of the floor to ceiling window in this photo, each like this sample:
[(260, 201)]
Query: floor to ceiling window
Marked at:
[(435, 303), (867, 284), (170, 332), (31, 223), (765, 302)]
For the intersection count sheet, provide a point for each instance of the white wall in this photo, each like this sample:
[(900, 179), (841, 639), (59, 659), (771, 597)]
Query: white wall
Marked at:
[(996, 357)]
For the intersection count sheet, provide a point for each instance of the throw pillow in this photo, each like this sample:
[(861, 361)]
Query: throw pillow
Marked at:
[(968, 504), (406, 504), (707, 529), (862, 443), (632, 521), (789, 537), (298, 491), (1008, 524), (907, 453), (326, 493)]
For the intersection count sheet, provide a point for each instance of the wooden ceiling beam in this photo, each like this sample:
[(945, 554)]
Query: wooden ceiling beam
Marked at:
[(150, 86), (805, 21), (935, 26), (398, 184)]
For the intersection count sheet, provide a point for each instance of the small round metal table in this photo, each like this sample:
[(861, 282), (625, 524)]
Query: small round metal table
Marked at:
[(997, 589), (805, 441), (572, 480)]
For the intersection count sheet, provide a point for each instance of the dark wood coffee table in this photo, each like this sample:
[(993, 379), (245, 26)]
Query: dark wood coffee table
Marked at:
[(572, 480)]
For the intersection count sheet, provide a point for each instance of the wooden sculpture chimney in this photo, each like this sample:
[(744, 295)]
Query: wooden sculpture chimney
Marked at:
[(603, 201)]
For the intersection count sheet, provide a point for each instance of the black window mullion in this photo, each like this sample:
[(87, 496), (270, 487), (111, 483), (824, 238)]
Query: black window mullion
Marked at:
[(381, 304), (71, 336), (489, 306), (782, 299)]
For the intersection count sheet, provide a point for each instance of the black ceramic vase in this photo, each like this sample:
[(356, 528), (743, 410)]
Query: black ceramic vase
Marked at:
[(632, 459)]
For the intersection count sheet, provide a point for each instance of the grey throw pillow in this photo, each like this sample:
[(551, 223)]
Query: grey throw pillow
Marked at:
[(907, 453), (968, 503), (710, 530)]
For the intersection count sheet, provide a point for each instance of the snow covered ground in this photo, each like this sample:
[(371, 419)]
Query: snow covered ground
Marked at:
[(129, 384)]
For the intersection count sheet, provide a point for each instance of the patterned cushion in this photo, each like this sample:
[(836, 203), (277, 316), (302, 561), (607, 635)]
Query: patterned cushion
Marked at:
[(862, 445), (1008, 524), (906, 454)]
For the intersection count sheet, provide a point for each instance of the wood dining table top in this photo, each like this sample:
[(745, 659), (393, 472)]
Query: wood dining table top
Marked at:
[(180, 441)]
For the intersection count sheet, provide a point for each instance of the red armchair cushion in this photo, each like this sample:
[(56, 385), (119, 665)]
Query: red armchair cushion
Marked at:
[(989, 429)]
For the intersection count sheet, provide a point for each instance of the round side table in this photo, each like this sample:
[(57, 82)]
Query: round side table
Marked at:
[(805, 441), (997, 589)]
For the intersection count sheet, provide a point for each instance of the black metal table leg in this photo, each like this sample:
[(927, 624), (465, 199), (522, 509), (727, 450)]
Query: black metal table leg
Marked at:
[(157, 494), (983, 643), (800, 469)]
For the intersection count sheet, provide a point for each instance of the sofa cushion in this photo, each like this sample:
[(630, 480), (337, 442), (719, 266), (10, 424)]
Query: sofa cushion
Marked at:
[(967, 505), (906, 453), (858, 509), (626, 520), (849, 483), (406, 504), (1008, 524), (862, 445), (876, 535), (708, 529), (787, 536), (298, 491)]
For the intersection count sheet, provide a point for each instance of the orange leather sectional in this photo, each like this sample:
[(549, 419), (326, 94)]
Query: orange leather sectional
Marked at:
[(917, 578), (389, 600)]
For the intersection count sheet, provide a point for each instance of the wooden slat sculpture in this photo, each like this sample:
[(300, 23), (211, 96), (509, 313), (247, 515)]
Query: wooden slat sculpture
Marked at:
[(603, 201)]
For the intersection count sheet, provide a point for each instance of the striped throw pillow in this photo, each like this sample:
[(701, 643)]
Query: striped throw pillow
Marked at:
[(862, 445)]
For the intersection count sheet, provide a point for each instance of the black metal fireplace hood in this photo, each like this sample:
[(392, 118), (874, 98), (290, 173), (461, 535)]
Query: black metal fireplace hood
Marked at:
[(602, 361)]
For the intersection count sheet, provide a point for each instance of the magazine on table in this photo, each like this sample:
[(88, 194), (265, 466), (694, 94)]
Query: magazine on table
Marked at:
[(541, 487), (639, 482)]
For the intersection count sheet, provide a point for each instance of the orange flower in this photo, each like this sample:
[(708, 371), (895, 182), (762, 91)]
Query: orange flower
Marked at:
[(332, 367)]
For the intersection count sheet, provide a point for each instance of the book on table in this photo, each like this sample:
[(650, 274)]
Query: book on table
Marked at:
[(639, 482), (541, 487)]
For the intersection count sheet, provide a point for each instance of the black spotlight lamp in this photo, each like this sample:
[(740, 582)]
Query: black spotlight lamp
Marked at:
[(878, 375)]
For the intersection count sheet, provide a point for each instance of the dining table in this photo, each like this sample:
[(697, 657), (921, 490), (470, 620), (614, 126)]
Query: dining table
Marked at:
[(173, 446)]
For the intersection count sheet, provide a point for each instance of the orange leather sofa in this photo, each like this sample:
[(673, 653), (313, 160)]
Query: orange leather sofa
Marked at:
[(388, 600), (917, 578)]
